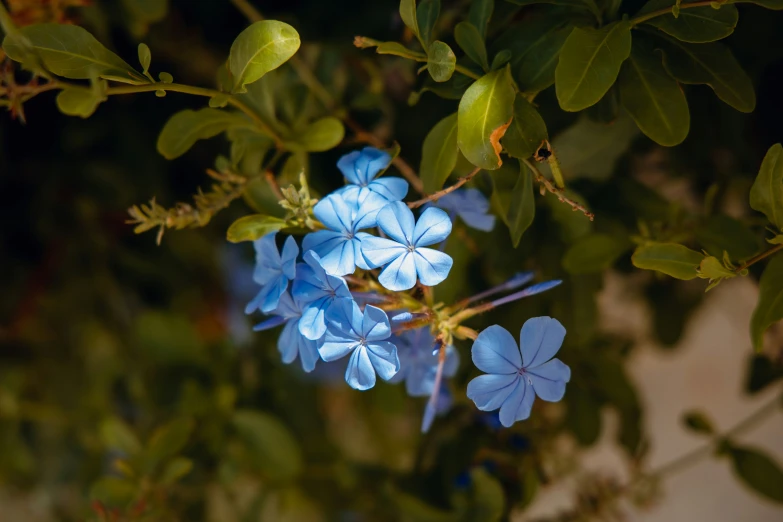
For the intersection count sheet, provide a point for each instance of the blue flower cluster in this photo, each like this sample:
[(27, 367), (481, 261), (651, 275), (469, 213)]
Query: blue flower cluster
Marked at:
[(365, 225)]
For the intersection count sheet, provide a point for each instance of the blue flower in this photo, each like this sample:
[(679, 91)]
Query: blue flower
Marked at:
[(513, 381), (471, 206), (272, 272), (291, 341), (419, 363), (318, 292), (360, 169), (363, 335), (403, 254), (339, 247)]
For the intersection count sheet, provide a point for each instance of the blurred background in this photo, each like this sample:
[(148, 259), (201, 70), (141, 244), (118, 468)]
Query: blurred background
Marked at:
[(108, 340)]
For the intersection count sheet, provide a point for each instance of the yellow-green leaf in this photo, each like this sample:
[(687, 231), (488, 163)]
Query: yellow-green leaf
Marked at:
[(262, 47), (769, 308), (469, 40), (79, 101), (694, 24), (440, 61), (145, 57), (526, 132), (168, 440), (426, 15), (669, 258), (480, 13), (522, 206), (116, 435), (593, 253), (321, 135), (439, 154), (255, 226), (113, 492), (175, 470), (186, 127), (409, 16), (485, 113), (272, 449), (766, 194)]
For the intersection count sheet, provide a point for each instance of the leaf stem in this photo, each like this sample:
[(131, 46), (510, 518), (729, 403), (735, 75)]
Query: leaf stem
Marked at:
[(557, 191), (756, 259), (437, 195), (662, 12)]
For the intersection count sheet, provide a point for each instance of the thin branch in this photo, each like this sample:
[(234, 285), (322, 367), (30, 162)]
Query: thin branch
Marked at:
[(756, 259), (437, 195), (272, 181), (556, 191), (662, 12)]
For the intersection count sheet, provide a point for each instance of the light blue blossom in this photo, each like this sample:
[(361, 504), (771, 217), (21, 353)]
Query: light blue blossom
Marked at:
[(318, 292), (419, 361), (272, 272), (339, 247), (513, 381), (360, 169), (471, 206), (403, 254), (363, 335), (291, 341)]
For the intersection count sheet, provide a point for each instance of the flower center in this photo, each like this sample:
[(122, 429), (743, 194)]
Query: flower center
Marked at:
[(411, 248)]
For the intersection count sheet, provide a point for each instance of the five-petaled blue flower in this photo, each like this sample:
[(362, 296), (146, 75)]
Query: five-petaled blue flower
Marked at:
[(272, 272), (360, 169), (363, 335), (403, 254), (318, 291), (513, 381), (419, 361), (471, 206), (339, 247), (291, 341)]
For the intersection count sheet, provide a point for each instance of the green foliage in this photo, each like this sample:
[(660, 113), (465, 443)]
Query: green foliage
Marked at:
[(470, 41), (252, 227), (669, 258), (521, 207), (526, 132), (695, 25), (441, 61), (769, 309), (758, 471), (186, 127), (439, 154), (761, 373), (698, 423), (167, 441), (321, 135), (427, 15), (271, 449), (262, 47), (82, 102), (766, 194), (593, 253)]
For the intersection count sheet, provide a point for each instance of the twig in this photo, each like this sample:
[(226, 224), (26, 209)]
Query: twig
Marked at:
[(556, 191), (668, 10), (758, 258), (270, 178), (439, 194)]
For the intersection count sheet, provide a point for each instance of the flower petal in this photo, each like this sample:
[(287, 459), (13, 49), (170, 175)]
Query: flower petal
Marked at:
[(383, 356), (400, 274), (268, 263), (549, 380), (358, 257), (360, 373), (540, 339), (478, 220), (288, 342), (322, 241), (334, 213), (432, 266), (433, 226), (420, 381), (340, 260), (347, 165), (331, 350), (313, 322), (288, 259), (375, 324), (270, 323), (489, 392), (518, 405), (379, 251), (308, 353), (451, 365), (496, 351), (396, 220), (368, 206), (390, 188)]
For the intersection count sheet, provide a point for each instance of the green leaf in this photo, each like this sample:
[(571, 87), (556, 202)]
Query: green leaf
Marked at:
[(440, 61), (115, 434), (589, 5), (113, 492), (262, 47), (698, 422), (147, 11), (397, 49), (255, 226), (439, 154), (168, 440), (485, 113), (427, 15), (710, 64), (711, 268), (526, 132), (721, 233), (470, 41), (72, 52), (409, 17), (186, 127), (758, 471), (319, 136), (584, 416), (695, 24), (78, 101), (487, 500), (501, 59), (219, 100), (769, 308), (145, 57), (766, 194), (175, 470), (522, 206), (589, 63), (777, 5), (166, 77), (653, 98), (669, 258), (593, 253), (272, 448), (762, 372), (480, 14)]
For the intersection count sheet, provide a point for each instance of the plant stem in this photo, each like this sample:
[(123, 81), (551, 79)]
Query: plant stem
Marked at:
[(437, 195), (556, 191), (661, 12), (756, 259)]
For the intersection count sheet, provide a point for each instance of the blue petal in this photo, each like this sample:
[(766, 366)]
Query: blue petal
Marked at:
[(340, 260), (288, 260), (361, 167), (313, 322), (478, 220), (432, 266), (402, 317), (358, 257), (268, 297), (420, 381), (368, 206), (322, 241), (540, 338), (400, 274), (518, 405), (287, 307), (379, 251), (268, 263), (308, 353), (429, 416), (451, 365), (391, 188), (375, 324), (334, 213), (383, 356), (347, 165), (549, 380), (270, 323), (359, 374), (336, 349), (496, 351), (433, 226), (396, 221), (345, 320), (489, 391), (307, 287), (288, 342), (541, 287)]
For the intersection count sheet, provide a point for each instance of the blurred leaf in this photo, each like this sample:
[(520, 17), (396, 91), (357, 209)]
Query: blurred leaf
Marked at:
[(722, 233), (412, 509), (485, 113), (175, 470), (186, 127), (501, 59), (593, 253), (145, 57), (439, 154), (766, 194), (113, 492), (262, 47), (168, 338), (669, 258), (77, 101), (72, 52), (589, 63), (652, 97), (527, 130), (758, 471), (573, 225), (168, 440), (769, 308), (769, 4), (427, 15), (409, 16), (584, 416), (116, 435), (530, 484), (710, 64), (470, 41), (522, 206), (761, 373), (255, 226), (698, 422), (479, 15), (695, 24), (319, 136), (486, 502), (272, 449), (440, 61), (148, 10), (590, 5)]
